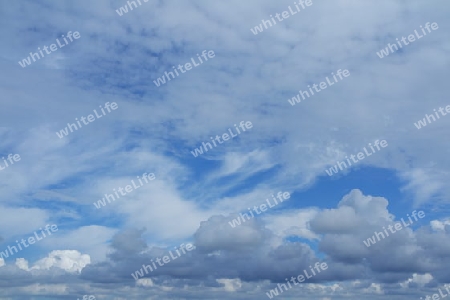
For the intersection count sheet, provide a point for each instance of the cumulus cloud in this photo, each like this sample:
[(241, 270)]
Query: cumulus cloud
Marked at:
[(70, 261)]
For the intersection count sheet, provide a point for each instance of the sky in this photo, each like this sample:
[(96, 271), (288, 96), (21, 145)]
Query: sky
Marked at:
[(142, 127)]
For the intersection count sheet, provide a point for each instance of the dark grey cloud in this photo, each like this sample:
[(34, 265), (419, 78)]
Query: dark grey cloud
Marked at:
[(254, 256)]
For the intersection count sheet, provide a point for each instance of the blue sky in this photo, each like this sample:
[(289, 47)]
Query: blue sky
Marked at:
[(154, 129)]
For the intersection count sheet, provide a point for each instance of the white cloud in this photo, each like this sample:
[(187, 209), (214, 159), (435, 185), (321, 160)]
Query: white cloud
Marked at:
[(439, 225), (420, 279), (22, 263), (145, 282), (71, 261), (230, 285)]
